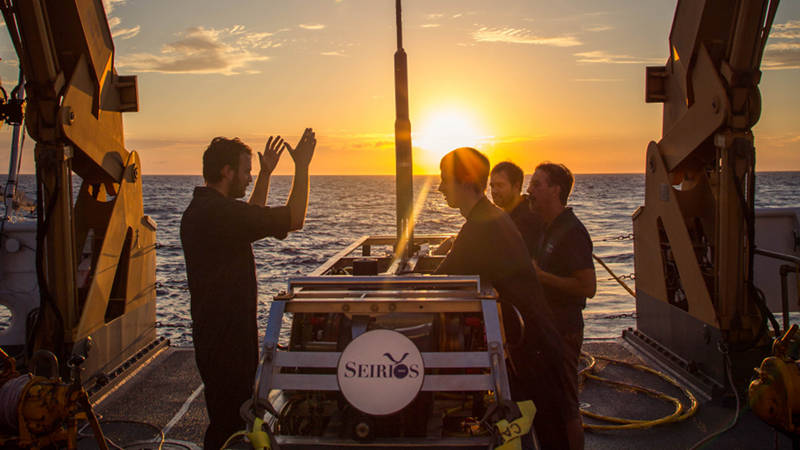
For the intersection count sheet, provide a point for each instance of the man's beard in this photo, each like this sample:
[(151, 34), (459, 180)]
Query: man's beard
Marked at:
[(238, 187)]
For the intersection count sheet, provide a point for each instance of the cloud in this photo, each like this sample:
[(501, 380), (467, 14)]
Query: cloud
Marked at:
[(788, 30), (125, 33), (600, 28), (786, 35), (430, 25), (333, 53), (312, 26), (257, 40), (522, 36), (784, 54), (109, 5), (790, 25), (603, 57), (114, 22), (434, 16), (204, 50)]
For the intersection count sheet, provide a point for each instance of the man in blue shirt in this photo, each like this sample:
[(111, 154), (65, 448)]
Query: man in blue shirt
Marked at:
[(563, 257)]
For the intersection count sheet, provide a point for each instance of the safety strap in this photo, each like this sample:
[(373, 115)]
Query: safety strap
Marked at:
[(510, 421)]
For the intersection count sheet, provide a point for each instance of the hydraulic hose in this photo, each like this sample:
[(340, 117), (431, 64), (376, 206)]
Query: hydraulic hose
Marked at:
[(618, 423)]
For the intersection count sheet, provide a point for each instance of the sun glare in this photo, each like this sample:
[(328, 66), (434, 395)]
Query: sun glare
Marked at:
[(445, 130)]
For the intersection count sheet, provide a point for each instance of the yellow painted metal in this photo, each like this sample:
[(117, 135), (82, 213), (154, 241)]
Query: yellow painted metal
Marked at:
[(125, 227), (99, 138), (74, 112), (774, 395), (705, 115), (693, 234), (661, 204), (53, 163)]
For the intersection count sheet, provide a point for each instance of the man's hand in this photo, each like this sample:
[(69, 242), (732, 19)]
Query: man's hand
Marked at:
[(581, 283), (272, 153), (304, 151)]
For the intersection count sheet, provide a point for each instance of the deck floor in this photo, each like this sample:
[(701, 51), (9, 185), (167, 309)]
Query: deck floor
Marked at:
[(165, 395)]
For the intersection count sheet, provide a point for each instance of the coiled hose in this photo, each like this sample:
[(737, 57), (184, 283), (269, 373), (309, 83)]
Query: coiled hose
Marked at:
[(618, 423)]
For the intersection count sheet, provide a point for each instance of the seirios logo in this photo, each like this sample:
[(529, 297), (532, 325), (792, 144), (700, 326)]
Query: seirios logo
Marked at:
[(380, 372), (392, 369)]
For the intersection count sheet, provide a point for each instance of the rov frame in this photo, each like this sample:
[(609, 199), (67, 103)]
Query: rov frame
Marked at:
[(363, 297)]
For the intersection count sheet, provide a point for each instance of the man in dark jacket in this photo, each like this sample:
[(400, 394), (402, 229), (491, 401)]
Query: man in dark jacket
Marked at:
[(216, 233), (505, 184), (490, 245)]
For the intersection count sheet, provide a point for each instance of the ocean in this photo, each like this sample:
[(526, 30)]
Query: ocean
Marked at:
[(344, 208)]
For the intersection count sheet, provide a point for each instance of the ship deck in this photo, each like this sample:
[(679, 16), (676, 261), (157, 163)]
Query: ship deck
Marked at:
[(165, 393)]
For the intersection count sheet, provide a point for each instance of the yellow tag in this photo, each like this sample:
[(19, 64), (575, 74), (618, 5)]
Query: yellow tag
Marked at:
[(511, 431), (258, 437)]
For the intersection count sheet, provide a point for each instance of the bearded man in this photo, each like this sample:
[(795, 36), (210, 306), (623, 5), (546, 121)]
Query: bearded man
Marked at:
[(217, 231)]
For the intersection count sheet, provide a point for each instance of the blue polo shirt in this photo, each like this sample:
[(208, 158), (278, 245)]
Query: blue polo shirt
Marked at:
[(564, 248)]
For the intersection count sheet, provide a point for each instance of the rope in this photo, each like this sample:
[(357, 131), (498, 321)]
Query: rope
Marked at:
[(242, 433), (159, 439), (619, 423), (608, 269)]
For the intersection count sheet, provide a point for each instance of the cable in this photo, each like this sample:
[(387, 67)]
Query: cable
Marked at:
[(608, 269), (234, 436), (42, 224), (735, 417), (620, 423), (160, 434)]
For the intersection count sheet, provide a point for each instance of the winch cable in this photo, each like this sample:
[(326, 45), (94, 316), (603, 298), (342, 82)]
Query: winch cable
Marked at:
[(736, 415), (620, 423), (611, 272)]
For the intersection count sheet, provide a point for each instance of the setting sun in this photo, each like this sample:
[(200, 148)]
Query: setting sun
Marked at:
[(443, 130)]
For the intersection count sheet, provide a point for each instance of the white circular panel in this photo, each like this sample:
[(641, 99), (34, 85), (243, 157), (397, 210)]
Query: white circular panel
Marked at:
[(380, 372)]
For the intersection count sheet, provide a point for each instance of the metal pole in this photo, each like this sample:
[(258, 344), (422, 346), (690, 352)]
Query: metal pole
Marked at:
[(13, 163), (402, 137)]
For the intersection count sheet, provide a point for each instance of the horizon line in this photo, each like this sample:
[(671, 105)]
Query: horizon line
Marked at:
[(392, 174)]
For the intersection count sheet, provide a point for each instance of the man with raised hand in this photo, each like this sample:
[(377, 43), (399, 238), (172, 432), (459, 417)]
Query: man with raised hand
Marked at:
[(505, 184), (217, 231), (489, 245), (563, 258)]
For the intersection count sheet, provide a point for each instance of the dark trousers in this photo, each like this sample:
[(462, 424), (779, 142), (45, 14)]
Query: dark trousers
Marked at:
[(228, 372), (572, 354)]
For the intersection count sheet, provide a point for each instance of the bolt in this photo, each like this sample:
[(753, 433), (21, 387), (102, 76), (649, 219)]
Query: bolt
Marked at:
[(68, 115)]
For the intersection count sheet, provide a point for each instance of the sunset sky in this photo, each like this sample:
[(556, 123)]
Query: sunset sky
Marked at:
[(520, 80)]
